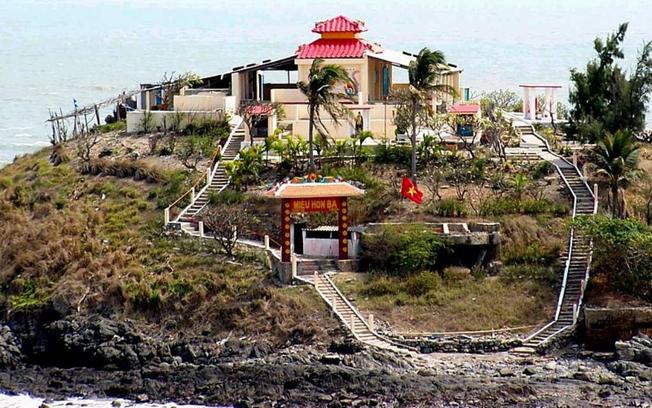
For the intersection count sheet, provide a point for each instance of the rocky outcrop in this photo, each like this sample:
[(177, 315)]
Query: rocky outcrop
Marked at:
[(10, 354), (638, 349)]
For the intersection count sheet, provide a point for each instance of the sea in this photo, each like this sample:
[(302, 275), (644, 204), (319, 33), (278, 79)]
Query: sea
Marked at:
[(55, 53)]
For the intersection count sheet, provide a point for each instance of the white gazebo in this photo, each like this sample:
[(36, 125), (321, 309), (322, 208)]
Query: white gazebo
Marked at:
[(530, 102)]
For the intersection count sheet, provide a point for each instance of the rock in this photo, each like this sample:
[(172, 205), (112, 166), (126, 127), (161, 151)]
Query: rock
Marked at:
[(638, 349), (106, 152), (506, 372), (332, 359), (116, 404), (529, 371)]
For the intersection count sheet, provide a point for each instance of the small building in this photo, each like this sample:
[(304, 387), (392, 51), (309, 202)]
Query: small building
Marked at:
[(372, 67)]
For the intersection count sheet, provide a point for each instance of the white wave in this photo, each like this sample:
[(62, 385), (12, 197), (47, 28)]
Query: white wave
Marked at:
[(23, 135), (16, 128), (24, 401), (37, 143)]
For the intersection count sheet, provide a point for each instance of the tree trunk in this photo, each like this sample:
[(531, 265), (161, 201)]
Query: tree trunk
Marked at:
[(615, 205), (414, 142), (311, 159)]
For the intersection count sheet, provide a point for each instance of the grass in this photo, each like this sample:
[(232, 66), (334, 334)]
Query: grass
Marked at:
[(97, 241), (427, 303)]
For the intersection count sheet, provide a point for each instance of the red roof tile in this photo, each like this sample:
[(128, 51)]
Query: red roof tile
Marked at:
[(334, 48), (464, 108), (339, 24)]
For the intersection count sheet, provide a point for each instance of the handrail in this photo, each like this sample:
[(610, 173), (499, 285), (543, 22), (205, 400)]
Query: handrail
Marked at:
[(571, 240), (235, 122), (355, 311)]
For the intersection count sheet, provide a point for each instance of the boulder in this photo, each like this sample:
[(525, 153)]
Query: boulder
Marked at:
[(638, 349)]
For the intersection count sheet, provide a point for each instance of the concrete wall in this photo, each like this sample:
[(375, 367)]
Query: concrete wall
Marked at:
[(201, 102), (329, 247)]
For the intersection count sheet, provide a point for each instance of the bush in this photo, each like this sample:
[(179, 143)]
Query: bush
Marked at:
[(450, 207), (401, 249), (541, 169), (122, 169), (547, 275), (456, 274), (422, 283), (622, 252), (505, 206), (381, 286), (399, 155), (534, 253), (118, 126)]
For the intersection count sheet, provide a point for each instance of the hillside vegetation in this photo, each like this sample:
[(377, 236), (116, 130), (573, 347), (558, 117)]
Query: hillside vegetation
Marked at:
[(96, 243)]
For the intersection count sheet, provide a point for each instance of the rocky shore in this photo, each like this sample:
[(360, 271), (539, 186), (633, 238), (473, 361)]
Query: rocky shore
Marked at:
[(92, 356)]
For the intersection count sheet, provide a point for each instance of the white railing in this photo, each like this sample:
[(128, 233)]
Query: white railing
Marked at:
[(236, 123), (355, 312), (571, 243)]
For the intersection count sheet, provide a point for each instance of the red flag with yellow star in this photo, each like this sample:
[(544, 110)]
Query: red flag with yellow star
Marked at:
[(410, 191)]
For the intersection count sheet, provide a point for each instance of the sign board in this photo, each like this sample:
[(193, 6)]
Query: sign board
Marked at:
[(306, 205)]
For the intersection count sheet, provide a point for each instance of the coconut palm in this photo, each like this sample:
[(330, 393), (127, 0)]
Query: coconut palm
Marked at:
[(320, 89), (616, 158), (424, 73)]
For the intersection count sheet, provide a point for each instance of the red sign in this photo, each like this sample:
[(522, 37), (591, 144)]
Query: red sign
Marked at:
[(305, 205)]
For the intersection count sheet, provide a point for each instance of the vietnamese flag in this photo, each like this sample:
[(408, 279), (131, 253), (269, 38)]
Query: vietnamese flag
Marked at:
[(410, 191)]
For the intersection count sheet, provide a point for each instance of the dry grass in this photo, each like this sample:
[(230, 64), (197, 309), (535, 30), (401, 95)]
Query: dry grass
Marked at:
[(97, 243), (455, 305)]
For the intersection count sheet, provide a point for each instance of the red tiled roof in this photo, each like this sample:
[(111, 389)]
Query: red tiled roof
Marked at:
[(334, 48), (262, 110), (339, 24), (464, 108)]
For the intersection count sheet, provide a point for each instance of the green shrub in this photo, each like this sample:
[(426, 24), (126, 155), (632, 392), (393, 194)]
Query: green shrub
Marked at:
[(120, 125), (381, 286), (122, 169), (535, 253), (422, 283), (227, 196), (547, 275), (541, 169), (450, 207), (506, 205), (393, 154), (401, 249)]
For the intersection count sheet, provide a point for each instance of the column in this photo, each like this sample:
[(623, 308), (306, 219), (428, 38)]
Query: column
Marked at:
[(526, 102), (343, 228), (285, 230), (533, 105)]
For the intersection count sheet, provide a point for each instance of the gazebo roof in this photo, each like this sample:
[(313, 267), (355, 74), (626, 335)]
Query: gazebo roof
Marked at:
[(316, 190), (334, 48), (339, 24)]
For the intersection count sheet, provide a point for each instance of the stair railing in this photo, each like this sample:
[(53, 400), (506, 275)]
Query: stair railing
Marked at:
[(236, 122)]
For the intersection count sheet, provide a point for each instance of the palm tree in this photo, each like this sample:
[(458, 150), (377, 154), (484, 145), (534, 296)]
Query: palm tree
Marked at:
[(423, 74), (322, 95), (617, 160)]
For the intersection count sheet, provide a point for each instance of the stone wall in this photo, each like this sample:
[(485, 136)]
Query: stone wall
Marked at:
[(604, 326)]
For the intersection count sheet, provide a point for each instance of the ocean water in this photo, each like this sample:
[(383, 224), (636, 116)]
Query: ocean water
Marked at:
[(24, 401), (52, 51)]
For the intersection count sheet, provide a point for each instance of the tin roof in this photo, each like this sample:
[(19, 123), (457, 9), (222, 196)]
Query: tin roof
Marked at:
[(339, 24), (317, 190)]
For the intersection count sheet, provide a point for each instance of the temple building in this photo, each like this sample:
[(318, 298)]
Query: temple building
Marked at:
[(371, 66)]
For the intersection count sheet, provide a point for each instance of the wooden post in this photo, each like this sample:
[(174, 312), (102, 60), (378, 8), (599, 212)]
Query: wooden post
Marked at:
[(574, 158), (201, 229), (166, 215), (97, 114), (267, 242), (208, 176), (352, 322), (192, 194), (333, 304), (371, 322), (595, 198), (315, 277), (574, 313)]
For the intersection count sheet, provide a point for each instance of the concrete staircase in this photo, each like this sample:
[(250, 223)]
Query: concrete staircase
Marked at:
[(360, 328), (219, 180), (577, 258)]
